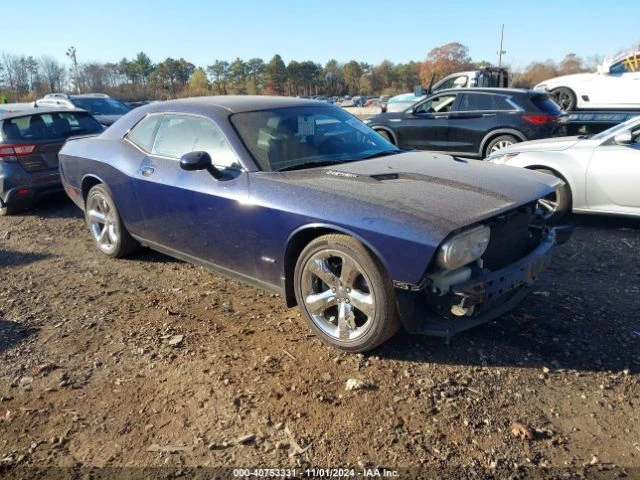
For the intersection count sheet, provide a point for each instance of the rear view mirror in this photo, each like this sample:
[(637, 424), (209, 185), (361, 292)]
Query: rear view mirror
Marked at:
[(623, 138)]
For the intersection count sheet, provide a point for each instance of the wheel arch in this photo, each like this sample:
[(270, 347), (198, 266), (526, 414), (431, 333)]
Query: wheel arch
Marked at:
[(88, 182), (556, 171), (300, 238), (388, 130), (496, 133)]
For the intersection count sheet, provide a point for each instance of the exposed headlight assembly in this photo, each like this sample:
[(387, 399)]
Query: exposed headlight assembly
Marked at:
[(463, 248)]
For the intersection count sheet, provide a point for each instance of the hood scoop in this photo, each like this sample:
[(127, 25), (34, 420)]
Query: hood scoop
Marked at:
[(381, 177)]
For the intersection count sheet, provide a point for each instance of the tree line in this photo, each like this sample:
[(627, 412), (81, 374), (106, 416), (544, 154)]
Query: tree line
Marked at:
[(25, 78)]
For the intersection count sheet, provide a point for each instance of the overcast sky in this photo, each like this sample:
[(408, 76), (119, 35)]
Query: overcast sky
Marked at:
[(369, 31)]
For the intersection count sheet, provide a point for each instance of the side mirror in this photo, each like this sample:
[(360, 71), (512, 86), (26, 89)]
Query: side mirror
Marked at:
[(199, 161), (623, 138), (195, 161)]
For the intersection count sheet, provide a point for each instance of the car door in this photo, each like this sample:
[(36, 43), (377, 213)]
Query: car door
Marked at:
[(470, 120), (425, 126), (613, 176), (191, 212)]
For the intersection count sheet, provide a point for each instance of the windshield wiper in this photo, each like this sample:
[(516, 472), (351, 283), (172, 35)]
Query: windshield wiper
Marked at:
[(383, 153), (316, 163)]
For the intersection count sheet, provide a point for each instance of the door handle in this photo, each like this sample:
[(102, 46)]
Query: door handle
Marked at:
[(488, 114), (440, 116), (147, 171)]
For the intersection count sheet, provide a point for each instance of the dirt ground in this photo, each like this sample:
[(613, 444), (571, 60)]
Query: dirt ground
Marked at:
[(152, 362)]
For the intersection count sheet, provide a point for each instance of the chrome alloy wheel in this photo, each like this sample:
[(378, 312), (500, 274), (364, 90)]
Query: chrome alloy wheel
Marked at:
[(103, 223), (501, 144), (337, 296), (549, 206)]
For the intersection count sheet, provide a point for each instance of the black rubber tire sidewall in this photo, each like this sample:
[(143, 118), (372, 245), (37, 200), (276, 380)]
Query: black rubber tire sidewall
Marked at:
[(572, 97), (385, 322)]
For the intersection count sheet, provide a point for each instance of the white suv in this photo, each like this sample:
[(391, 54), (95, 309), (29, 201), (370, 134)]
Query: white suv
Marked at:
[(616, 84), (104, 108)]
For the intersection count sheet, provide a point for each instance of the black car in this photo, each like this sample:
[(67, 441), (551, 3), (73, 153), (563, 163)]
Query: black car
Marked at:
[(104, 108), (29, 144), (470, 122)]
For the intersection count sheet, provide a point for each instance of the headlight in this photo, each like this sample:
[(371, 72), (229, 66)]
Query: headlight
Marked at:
[(542, 86), (501, 158), (367, 121), (463, 248)]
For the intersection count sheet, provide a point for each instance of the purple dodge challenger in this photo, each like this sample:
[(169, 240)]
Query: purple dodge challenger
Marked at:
[(301, 198)]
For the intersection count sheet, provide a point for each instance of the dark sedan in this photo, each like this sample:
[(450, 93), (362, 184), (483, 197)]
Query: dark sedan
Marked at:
[(470, 122), (301, 198), (29, 143)]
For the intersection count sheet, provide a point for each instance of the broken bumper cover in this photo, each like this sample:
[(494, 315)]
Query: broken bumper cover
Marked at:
[(485, 288), (486, 296)]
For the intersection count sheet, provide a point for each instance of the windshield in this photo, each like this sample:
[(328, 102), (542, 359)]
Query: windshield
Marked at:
[(618, 128), (297, 137), (101, 106)]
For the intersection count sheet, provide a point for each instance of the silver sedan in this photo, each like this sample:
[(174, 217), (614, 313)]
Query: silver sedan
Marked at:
[(601, 173)]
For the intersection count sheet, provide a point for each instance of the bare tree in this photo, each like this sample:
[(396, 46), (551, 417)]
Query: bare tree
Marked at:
[(54, 73)]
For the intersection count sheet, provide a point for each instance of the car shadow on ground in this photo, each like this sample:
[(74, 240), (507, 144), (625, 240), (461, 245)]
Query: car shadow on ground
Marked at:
[(606, 222), (520, 341), (55, 205), (13, 333), (12, 258)]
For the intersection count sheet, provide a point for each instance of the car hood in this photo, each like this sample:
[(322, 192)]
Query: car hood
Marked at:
[(565, 80), (546, 145), (446, 192)]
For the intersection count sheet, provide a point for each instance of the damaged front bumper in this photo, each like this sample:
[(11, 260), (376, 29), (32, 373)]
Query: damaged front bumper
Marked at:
[(480, 299)]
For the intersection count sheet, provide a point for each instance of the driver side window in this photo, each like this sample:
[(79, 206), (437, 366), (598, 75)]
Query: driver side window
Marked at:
[(180, 134), (439, 104)]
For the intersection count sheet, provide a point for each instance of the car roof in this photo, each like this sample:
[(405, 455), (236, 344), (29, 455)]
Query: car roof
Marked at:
[(508, 91), (231, 103), (34, 110)]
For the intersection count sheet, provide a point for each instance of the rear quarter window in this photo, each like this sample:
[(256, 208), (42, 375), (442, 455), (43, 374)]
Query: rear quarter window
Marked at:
[(546, 105)]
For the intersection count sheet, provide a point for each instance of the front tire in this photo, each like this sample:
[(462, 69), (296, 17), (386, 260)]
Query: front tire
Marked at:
[(386, 135), (344, 294), (106, 227), (557, 205), (565, 98)]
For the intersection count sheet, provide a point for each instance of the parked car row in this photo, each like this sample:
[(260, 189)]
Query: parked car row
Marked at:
[(301, 198), (104, 108)]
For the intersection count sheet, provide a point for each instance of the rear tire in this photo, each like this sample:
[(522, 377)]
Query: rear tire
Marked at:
[(565, 98), (106, 227), (6, 211), (499, 142), (557, 205)]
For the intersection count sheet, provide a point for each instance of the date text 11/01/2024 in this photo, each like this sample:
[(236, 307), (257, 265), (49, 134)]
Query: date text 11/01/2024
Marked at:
[(314, 473)]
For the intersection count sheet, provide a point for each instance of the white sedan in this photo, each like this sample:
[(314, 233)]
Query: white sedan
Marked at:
[(601, 173), (616, 84)]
